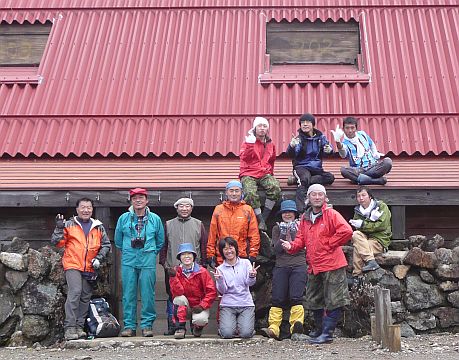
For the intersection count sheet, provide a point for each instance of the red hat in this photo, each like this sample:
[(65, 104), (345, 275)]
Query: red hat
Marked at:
[(136, 191)]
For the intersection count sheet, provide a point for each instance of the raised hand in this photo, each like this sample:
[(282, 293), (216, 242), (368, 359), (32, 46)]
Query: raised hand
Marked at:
[(60, 221), (217, 274), (253, 271), (294, 141), (337, 134)]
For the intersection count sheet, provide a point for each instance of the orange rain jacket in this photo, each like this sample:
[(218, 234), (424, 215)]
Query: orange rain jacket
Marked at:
[(79, 249), (238, 221)]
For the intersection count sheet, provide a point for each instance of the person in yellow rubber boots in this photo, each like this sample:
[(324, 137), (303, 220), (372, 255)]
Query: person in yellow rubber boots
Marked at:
[(289, 275)]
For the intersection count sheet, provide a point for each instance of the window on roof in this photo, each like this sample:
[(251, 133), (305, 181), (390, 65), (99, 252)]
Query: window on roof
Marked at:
[(23, 44), (21, 50), (313, 42), (314, 52)]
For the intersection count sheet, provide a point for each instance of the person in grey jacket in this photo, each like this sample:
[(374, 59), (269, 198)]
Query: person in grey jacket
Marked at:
[(182, 229), (289, 275)]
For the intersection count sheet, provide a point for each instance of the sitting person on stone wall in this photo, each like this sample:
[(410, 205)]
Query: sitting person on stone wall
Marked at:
[(233, 278), (307, 150), (289, 275), (366, 166), (86, 245), (257, 157), (193, 292), (372, 221)]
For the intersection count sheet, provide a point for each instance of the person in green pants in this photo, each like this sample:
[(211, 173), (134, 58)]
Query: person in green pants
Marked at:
[(139, 234)]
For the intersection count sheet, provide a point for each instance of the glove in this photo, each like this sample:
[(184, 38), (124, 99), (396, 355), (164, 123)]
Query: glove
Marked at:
[(328, 149), (213, 262), (95, 263), (197, 309), (337, 134), (252, 259), (60, 222), (171, 272), (356, 223), (376, 214), (250, 138), (295, 141), (283, 227)]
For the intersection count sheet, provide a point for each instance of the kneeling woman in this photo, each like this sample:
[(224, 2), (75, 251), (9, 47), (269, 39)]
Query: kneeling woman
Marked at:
[(233, 278)]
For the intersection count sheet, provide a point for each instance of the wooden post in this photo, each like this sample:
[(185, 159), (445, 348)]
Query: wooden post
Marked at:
[(398, 221), (373, 327), (387, 317), (378, 313), (395, 343)]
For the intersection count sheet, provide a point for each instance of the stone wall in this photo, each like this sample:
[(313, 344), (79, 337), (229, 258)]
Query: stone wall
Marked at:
[(423, 281), (33, 292)]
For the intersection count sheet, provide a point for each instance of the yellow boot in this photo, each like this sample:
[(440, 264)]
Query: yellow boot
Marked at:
[(296, 319), (274, 321)]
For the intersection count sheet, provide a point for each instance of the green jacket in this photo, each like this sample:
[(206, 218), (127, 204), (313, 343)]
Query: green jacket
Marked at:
[(380, 229)]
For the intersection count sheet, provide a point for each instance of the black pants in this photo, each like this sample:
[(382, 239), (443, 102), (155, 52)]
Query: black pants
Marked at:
[(306, 177), (289, 283)]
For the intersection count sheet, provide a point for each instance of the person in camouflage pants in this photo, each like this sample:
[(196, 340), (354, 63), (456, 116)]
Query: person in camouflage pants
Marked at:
[(257, 156)]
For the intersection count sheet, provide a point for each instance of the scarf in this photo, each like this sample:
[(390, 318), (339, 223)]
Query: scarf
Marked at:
[(366, 212), (358, 145)]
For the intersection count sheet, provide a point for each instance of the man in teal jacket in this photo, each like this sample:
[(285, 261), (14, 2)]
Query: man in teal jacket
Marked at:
[(139, 234), (372, 221)]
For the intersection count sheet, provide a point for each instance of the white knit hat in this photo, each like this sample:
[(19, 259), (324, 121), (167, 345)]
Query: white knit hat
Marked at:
[(316, 188), (184, 201), (260, 120)]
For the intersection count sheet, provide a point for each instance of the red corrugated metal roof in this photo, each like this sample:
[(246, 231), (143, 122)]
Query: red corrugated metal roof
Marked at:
[(208, 174), (118, 136), (199, 61)]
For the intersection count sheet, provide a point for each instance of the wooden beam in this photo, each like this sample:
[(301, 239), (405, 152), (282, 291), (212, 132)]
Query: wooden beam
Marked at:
[(398, 222)]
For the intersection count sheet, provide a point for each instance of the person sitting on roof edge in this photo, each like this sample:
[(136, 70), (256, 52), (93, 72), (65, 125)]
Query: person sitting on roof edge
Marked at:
[(307, 149), (366, 166), (257, 157)]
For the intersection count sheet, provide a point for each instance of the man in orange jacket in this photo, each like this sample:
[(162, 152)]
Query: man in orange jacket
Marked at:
[(86, 245), (236, 219)]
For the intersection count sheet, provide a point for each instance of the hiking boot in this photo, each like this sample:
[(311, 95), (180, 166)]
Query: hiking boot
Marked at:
[(147, 332), (269, 333), (180, 333), (81, 333), (70, 333), (127, 333), (197, 331), (370, 266), (297, 328)]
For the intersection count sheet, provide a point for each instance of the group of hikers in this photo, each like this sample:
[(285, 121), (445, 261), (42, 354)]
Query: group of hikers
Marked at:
[(221, 265)]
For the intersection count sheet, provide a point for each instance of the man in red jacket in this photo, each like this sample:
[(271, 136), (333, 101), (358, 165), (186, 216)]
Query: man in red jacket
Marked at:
[(322, 232), (257, 169), (193, 292)]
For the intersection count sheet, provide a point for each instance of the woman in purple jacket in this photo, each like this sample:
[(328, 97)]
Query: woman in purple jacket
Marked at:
[(233, 278)]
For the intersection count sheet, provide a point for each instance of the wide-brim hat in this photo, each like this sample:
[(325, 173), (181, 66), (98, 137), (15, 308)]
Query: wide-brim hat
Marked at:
[(186, 247), (287, 206)]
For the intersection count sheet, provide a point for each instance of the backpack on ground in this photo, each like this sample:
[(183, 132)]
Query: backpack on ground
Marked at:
[(100, 322)]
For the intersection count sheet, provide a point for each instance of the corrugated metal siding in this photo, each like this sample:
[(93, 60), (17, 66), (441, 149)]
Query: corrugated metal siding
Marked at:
[(207, 61), (206, 136), (182, 174), (198, 63)]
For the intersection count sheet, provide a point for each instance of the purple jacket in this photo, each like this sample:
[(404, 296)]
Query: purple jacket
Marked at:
[(234, 284)]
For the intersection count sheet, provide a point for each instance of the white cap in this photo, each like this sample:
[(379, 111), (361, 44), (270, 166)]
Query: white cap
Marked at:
[(260, 120), (316, 188)]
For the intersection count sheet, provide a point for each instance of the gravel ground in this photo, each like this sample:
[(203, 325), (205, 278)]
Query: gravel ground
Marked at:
[(422, 347)]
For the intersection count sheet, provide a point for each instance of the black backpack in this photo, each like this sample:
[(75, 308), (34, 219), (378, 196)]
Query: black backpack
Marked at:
[(100, 322)]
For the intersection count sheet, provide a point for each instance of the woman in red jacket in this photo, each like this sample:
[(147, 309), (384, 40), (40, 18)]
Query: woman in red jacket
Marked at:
[(193, 291)]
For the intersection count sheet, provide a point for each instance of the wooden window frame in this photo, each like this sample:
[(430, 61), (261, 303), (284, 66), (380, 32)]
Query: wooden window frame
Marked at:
[(319, 73), (23, 72)]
